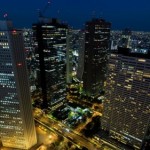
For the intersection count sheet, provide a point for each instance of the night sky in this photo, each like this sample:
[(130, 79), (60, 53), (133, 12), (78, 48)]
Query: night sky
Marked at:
[(134, 14)]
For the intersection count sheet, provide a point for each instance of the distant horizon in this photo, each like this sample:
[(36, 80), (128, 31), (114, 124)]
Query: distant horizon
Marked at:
[(75, 28), (17, 26), (122, 14)]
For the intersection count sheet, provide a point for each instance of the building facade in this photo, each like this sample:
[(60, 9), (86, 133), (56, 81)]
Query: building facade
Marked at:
[(30, 58), (80, 68), (97, 35), (125, 40), (74, 49), (17, 128), (97, 43), (50, 40), (127, 106)]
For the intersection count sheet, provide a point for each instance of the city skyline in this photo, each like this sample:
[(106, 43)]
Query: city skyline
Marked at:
[(75, 75), (17, 129), (121, 14)]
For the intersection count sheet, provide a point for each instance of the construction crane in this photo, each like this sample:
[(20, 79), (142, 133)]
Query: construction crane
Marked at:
[(41, 13), (5, 15)]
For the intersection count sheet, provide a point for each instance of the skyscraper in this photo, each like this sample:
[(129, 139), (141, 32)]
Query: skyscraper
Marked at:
[(73, 50), (126, 38), (17, 128), (69, 57), (28, 44), (80, 68), (127, 106), (30, 58), (50, 39), (97, 43)]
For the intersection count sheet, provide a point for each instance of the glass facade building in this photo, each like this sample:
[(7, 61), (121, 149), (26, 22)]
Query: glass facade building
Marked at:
[(73, 49), (50, 40), (80, 68), (127, 106), (97, 44), (17, 128)]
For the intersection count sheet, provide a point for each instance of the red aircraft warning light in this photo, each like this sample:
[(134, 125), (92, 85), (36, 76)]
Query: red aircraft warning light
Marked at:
[(19, 64)]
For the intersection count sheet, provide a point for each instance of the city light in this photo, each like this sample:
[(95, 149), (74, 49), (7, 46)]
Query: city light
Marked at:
[(68, 83)]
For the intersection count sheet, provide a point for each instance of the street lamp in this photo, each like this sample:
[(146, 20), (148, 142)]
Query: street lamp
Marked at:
[(50, 136)]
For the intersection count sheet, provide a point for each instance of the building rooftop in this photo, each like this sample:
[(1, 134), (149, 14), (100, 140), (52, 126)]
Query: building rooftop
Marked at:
[(140, 53)]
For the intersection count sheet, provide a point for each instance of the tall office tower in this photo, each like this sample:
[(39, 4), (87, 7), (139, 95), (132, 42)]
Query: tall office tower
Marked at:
[(69, 57), (127, 106), (50, 41), (126, 38), (28, 43), (73, 47), (97, 44), (115, 39), (80, 67), (17, 128), (30, 58)]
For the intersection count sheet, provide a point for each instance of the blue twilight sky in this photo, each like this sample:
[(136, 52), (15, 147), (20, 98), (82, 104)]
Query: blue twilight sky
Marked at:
[(134, 14)]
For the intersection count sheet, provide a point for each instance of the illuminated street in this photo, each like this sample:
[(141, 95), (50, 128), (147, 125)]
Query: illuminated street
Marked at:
[(72, 135)]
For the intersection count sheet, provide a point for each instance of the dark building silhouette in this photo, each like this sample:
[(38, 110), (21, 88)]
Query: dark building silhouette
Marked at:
[(50, 41), (97, 43)]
